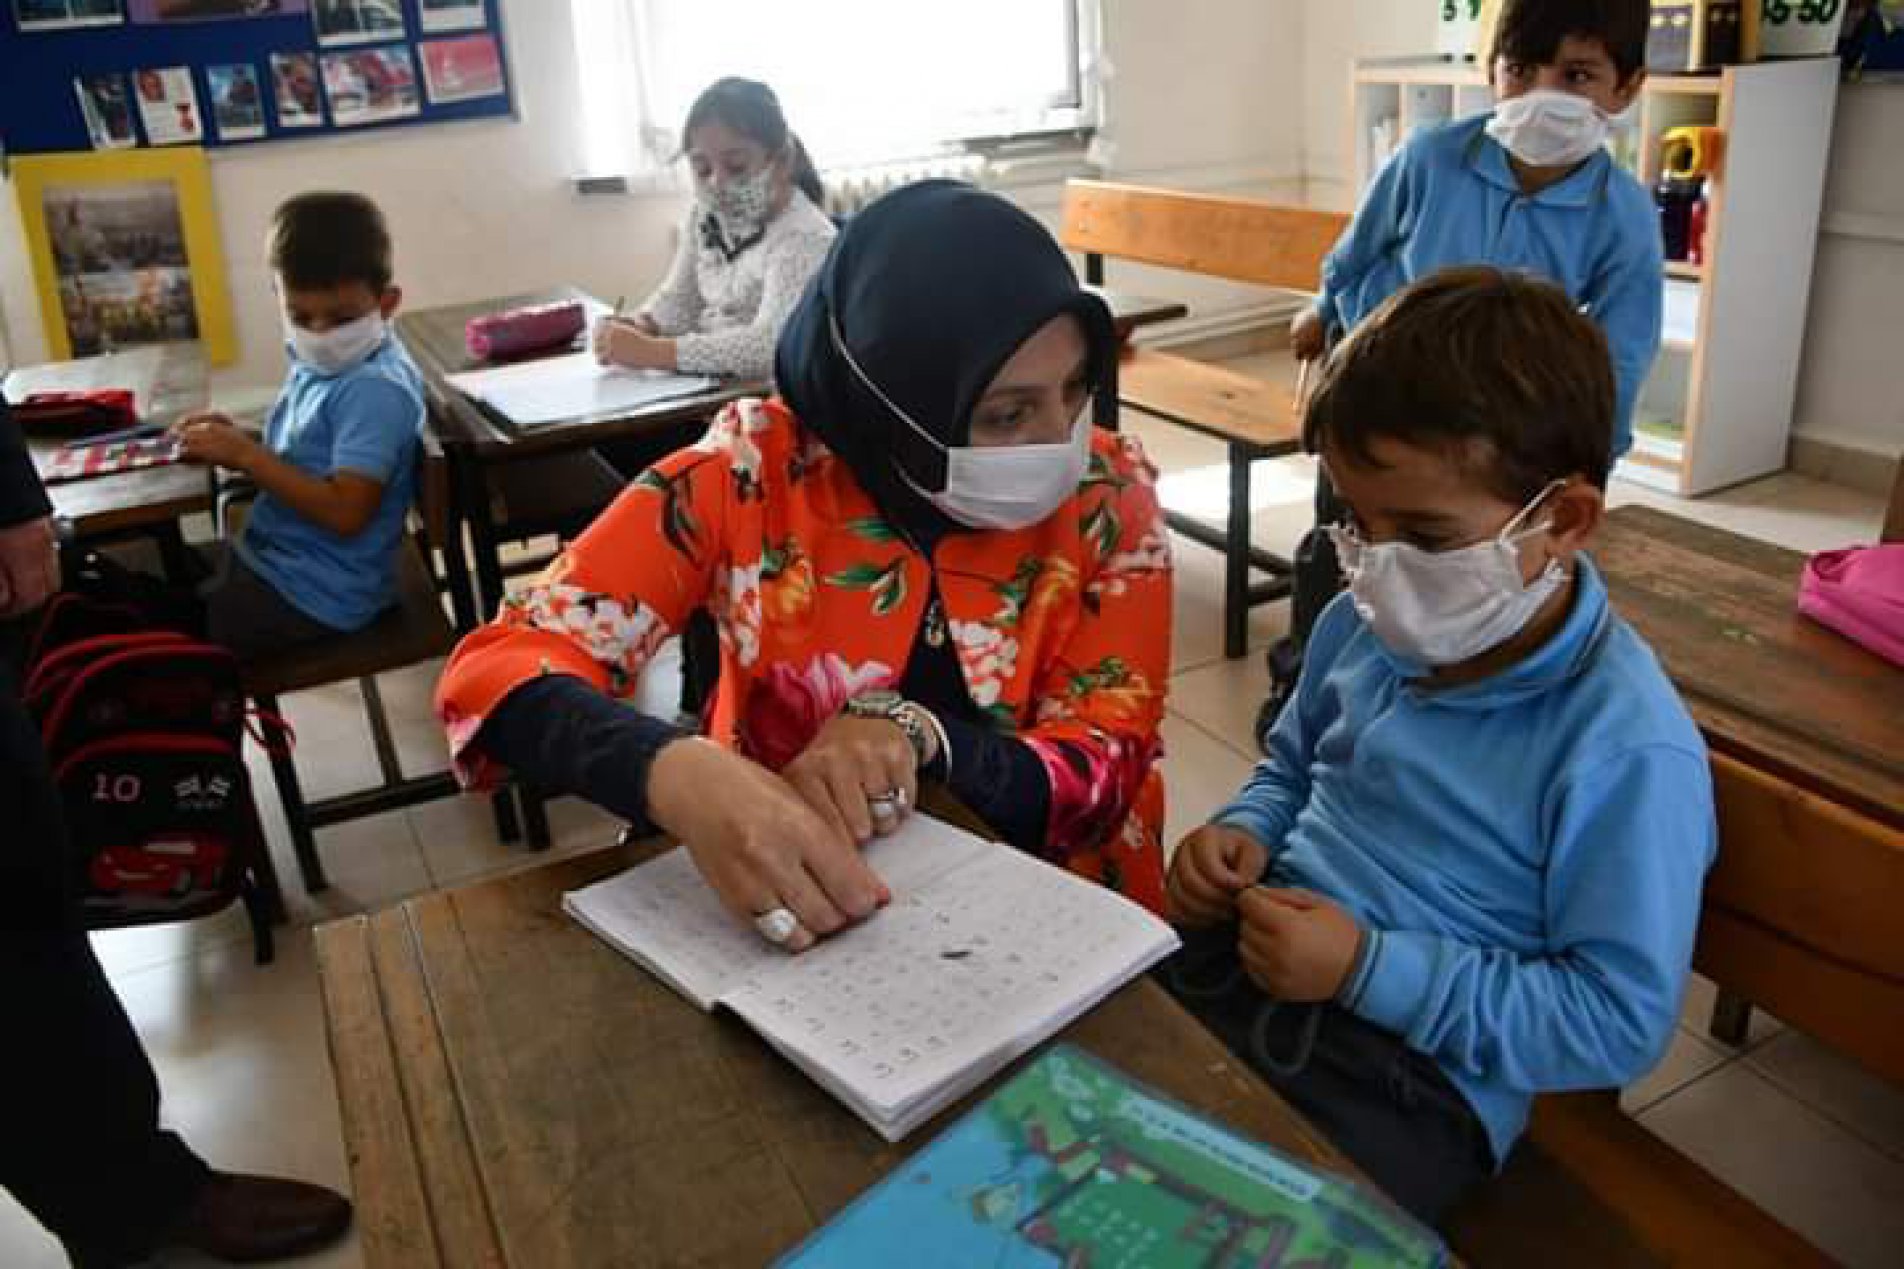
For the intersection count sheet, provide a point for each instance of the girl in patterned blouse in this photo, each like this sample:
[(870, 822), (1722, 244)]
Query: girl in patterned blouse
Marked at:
[(754, 235), (924, 562)]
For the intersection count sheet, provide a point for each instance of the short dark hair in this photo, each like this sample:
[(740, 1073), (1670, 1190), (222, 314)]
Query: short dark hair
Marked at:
[(321, 240), (1500, 370), (1531, 30)]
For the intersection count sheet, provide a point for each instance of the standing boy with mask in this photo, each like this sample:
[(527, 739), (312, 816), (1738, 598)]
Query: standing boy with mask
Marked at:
[(1469, 869), (336, 471), (1530, 187)]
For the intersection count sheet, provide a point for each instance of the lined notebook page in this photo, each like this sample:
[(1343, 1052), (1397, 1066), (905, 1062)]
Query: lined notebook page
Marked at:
[(951, 981), (665, 916)]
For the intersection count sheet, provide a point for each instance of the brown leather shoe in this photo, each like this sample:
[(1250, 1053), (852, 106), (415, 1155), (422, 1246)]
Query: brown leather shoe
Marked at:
[(247, 1219)]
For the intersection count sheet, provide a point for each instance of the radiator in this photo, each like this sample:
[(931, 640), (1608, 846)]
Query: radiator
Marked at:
[(848, 189)]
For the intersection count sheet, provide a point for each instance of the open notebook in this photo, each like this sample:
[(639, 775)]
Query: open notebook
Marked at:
[(983, 953), (552, 389)]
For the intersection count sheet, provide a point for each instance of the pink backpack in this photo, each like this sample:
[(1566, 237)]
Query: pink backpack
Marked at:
[(1859, 593)]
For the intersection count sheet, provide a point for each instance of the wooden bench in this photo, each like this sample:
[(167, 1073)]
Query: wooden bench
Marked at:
[(1800, 917), (1239, 240)]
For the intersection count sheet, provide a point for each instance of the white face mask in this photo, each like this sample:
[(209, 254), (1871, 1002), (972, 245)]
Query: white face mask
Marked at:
[(740, 204), (1445, 607), (994, 486), (336, 350), (1549, 128)]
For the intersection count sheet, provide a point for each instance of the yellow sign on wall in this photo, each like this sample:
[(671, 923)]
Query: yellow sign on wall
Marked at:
[(125, 251)]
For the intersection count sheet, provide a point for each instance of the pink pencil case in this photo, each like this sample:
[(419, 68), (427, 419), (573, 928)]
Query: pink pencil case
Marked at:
[(1860, 594), (517, 332)]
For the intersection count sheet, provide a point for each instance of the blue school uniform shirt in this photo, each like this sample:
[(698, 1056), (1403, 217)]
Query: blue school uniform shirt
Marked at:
[(367, 419), (1449, 197), (1524, 854)]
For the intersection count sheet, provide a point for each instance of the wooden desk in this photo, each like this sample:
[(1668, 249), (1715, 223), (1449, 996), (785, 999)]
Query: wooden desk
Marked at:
[(475, 439), (167, 381), (516, 1093), (1768, 687)]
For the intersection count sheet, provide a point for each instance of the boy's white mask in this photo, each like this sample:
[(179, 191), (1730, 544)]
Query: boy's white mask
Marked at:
[(1445, 607), (1549, 128)]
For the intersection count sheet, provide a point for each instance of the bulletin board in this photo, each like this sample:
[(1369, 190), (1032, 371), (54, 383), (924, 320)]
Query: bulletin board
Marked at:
[(113, 74)]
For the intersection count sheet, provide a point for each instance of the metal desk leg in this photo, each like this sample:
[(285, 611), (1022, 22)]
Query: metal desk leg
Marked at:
[(456, 577), (473, 492), (1236, 557)]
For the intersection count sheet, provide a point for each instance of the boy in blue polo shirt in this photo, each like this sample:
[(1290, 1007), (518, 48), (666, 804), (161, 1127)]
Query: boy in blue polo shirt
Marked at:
[(336, 472), (1529, 186), (1469, 869)]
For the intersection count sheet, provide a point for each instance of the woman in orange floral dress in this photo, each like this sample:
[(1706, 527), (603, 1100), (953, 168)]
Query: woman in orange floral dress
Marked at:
[(924, 562)]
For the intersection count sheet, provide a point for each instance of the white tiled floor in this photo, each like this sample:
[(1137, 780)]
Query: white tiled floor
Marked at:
[(241, 1055)]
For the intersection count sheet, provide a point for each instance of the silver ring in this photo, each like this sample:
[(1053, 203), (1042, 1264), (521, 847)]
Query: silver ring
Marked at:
[(777, 925), (888, 804)]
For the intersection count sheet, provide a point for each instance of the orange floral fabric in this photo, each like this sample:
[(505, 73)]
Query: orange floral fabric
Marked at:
[(1062, 629)]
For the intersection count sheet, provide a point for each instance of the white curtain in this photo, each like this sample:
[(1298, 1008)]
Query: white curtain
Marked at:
[(862, 81)]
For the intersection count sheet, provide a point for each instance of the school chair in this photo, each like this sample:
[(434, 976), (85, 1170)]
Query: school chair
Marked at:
[(414, 629), (1237, 240)]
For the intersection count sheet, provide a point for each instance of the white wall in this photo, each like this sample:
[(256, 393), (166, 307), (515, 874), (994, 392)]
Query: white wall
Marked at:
[(1851, 386), (1335, 34)]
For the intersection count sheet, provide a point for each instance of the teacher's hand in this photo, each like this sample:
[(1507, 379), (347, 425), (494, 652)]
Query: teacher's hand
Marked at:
[(757, 843), (859, 775)]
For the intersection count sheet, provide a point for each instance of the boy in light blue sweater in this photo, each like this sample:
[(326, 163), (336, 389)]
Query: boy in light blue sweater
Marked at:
[(1529, 186), (1469, 869)]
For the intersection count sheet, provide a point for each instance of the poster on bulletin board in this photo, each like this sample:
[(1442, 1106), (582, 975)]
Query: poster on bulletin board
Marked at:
[(134, 74), (125, 251)]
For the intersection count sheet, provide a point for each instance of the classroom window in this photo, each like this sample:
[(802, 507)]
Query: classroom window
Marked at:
[(862, 81)]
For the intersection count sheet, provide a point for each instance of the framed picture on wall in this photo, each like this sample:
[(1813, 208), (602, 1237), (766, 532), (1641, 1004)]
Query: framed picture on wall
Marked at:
[(125, 251), (63, 15), (452, 15), (237, 101), (168, 105), (107, 105), (371, 85), (155, 11), (463, 69), (294, 86), (357, 21)]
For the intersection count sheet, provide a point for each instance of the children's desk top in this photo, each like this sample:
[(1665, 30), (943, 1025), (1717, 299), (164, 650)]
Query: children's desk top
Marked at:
[(435, 339), (1766, 686), (514, 1092), (167, 381)]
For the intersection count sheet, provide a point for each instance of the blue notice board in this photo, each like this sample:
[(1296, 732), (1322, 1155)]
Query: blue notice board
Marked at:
[(42, 57)]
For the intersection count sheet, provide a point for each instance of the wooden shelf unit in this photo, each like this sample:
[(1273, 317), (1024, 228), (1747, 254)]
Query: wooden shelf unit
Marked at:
[(1717, 408)]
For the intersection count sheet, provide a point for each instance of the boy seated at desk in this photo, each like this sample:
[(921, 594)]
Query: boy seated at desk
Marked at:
[(336, 470), (1469, 870)]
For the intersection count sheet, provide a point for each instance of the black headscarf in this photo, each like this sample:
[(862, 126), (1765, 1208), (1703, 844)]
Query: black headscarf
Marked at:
[(933, 288)]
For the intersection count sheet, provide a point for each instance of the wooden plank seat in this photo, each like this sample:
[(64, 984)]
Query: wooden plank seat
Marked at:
[(414, 629), (1798, 916), (1239, 240)]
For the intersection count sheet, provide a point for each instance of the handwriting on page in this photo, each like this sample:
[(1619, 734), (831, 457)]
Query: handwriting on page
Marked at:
[(986, 954)]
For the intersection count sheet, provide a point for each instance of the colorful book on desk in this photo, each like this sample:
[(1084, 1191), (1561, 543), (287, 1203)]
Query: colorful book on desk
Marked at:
[(556, 389), (983, 953), (1072, 1163)]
